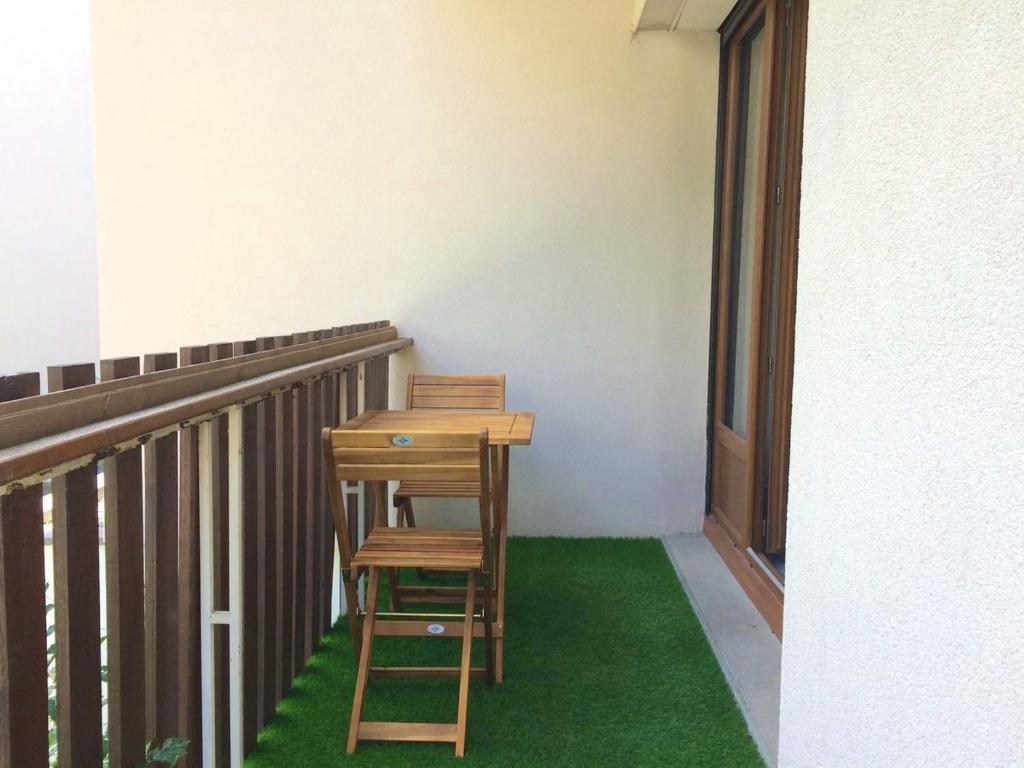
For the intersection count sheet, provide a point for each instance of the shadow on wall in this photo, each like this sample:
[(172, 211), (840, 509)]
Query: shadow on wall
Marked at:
[(605, 459)]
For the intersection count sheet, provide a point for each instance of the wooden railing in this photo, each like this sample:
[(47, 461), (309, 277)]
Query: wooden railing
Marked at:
[(217, 544)]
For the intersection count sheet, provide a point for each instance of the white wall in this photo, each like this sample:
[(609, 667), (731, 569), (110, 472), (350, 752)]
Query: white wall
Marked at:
[(49, 312), (905, 570), (516, 184)]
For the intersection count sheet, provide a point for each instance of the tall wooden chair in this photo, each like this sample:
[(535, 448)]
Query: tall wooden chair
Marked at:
[(457, 392), (376, 457)]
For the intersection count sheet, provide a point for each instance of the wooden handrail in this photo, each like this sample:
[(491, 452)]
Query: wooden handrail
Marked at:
[(35, 417), (52, 434), (164, 374)]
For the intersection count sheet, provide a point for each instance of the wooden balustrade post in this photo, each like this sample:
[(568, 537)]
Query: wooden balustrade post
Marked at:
[(364, 505), (316, 528), (375, 515), (126, 634), (252, 537), (351, 410), (160, 462), (364, 502), (303, 519), (341, 409), (76, 569), (376, 399), (270, 650), (286, 548), (190, 723), (23, 683), (382, 402), (330, 419)]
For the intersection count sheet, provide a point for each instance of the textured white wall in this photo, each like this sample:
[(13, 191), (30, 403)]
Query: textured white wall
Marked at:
[(905, 570), (516, 184), (49, 313)]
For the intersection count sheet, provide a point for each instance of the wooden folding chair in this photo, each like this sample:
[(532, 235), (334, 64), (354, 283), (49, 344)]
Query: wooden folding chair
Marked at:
[(376, 457), (457, 392)]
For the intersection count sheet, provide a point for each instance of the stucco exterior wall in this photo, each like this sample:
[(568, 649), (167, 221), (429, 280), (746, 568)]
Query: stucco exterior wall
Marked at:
[(905, 570), (49, 313), (516, 184)]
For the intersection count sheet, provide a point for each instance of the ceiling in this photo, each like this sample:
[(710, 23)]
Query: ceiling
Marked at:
[(669, 15)]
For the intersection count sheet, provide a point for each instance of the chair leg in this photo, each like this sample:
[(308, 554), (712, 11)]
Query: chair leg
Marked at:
[(355, 619), (464, 674), (363, 671), (406, 517), (394, 599), (488, 636)]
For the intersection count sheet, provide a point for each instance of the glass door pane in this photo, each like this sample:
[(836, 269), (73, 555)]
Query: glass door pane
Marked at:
[(744, 248)]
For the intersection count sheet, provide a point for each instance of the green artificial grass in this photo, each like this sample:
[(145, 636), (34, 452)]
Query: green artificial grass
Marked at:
[(605, 665)]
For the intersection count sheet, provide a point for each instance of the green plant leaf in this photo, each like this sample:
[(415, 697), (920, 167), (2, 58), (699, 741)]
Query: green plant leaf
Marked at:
[(168, 753)]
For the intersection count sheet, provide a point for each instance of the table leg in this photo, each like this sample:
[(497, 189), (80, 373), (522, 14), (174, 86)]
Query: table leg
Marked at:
[(502, 513), (380, 519)]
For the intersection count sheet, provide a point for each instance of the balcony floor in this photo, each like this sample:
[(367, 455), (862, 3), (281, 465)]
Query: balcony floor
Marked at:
[(606, 664)]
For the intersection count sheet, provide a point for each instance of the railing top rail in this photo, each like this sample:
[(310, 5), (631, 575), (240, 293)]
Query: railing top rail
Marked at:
[(48, 435), (254, 360)]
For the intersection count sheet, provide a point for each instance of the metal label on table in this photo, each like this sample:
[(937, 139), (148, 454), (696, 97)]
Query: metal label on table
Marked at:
[(402, 440), (436, 629)]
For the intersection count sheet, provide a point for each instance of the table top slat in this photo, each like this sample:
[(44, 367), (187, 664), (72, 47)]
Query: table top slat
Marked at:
[(503, 427)]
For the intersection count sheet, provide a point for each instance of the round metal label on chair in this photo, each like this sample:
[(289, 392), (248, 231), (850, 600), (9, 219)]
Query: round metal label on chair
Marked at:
[(436, 629), (402, 440)]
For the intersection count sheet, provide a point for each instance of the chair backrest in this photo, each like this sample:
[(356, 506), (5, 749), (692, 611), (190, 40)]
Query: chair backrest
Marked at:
[(377, 456), (456, 392)]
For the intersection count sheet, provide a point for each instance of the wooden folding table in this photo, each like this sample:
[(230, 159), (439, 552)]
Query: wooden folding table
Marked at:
[(504, 429)]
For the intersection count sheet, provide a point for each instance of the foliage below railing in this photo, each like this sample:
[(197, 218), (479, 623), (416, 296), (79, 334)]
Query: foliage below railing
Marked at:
[(169, 753)]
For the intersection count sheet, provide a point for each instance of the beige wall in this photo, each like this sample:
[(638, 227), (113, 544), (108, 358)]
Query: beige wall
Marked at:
[(904, 565), (516, 184)]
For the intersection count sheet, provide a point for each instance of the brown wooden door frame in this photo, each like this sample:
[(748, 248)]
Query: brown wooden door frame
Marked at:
[(781, 134), (787, 134), (729, 442)]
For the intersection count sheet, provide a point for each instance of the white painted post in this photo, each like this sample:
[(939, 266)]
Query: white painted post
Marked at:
[(338, 593), (236, 582), (361, 396), (206, 555), (232, 617)]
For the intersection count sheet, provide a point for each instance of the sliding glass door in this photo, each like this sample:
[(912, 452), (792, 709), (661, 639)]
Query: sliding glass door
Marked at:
[(755, 277), (741, 245)]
